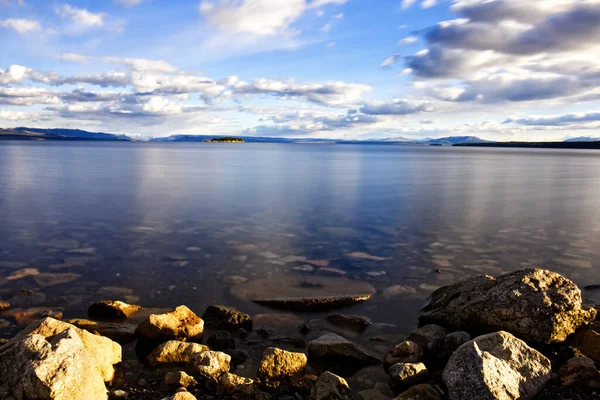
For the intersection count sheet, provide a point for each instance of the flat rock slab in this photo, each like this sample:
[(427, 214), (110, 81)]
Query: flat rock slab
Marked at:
[(304, 293)]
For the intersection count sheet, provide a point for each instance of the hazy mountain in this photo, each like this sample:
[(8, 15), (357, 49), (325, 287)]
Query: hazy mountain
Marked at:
[(452, 140), (75, 134), (583, 139)]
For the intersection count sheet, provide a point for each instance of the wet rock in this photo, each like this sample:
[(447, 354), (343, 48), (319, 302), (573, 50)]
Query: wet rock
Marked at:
[(422, 392), (181, 323), (174, 352), (235, 280), (372, 377), (50, 279), (240, 387), (496, 366), (25, 316), (221, 341), (111, 310), (277, 320), (372, 394), (400, 290), (405, 375), (454, 340), (431, 339), (180, 379), (220, 317), (405, 352), (277, 364), (49, 367), (120, 333), (350, 322), (533, 304), (304, 293), (181, 396), (22, 273), (580, 371), (331, 387), (209, 364), (588, 342), (337, 352), (4, 305)]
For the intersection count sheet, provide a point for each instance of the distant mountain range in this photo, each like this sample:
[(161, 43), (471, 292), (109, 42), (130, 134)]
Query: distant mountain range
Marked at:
[(78, 134)]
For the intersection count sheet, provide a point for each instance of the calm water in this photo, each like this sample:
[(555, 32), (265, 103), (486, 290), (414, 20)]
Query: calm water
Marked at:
[(171, 224)]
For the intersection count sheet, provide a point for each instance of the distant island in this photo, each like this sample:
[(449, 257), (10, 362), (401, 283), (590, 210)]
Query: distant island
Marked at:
[(225, 140)]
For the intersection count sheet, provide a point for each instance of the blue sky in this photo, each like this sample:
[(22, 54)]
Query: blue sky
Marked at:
[(355, 69)]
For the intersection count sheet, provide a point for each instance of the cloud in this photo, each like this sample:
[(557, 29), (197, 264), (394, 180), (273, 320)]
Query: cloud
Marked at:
[(21, 26), (129, 3), (23, 116), (557, 120), (395, 107), (408, 40), (80, 16), (14, 74), (388, 62), (27, 96)]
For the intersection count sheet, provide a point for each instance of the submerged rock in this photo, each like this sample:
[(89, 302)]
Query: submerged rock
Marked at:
[(350, 322), (25, 316), (337, 352), (120, 333), (174, 352), (109, 309), (277, 320), (220, 317), (533, 304), (22, 273), (496, 366), (50, 279), (304, 293), (331, 387), (279, 364), (180, 323), (580, 371)]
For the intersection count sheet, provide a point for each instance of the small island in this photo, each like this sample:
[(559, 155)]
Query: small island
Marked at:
[(225, 140)]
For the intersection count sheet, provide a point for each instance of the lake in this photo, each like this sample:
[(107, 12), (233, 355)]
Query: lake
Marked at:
[(164, 224)]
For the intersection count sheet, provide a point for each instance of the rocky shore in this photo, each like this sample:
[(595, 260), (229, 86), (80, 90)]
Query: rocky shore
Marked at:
[(524, 335)]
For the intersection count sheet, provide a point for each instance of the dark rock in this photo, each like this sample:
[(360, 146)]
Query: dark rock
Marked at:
[(350, 322), (431, 340), (298, 343), (580, 371), (264, 332), (238, 356), (220, 317), (405, 352), (221, 341), (331, 387), (120, 333), (533, 304), (338, 353), (112, 310), (588, 342), (422, 392)]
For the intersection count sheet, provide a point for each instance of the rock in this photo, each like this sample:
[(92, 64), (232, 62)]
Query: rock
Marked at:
[(240, 387), (46, 367), (336, 351), (454, 340), (331, 387), (50, 279), (209, 364), (118, 395), (422, 392), (219, 317), (120, 333), (372, 394), (496, 366), (180, 379), (25, 316), (303, 293), (221, 341), (27, 298), (277, 364), (588, 342), (580, 371), (277, 320), (431, 339), (370, 378), (112, 310), (405, 375), (351, 322), (174, 352), (4, 305), (405, 352), (181, 396), (533, 304), (298, 343), (181, 323)]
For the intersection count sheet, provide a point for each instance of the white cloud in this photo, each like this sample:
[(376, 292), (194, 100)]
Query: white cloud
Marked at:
[(325, 28), (388, 62), (21, 26), (129, 3), (80, 16), (395, 107), (408, 40), (428, 3), (407, 3)]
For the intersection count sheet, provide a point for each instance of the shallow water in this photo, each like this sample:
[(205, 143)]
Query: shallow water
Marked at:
[(174, 224)]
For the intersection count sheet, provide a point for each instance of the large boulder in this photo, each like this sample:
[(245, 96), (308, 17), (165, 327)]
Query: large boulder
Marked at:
[(219, 317), (55, 360), (533, 304), (338, 353), (331, 387), (279, 364), (174, 352), (497, 366), (180, 323), (104, 352)]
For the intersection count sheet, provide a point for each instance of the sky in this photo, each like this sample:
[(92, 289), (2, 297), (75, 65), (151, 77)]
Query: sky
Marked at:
[(340, 69)]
